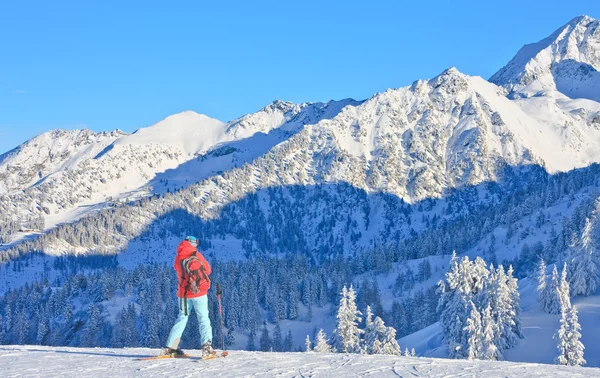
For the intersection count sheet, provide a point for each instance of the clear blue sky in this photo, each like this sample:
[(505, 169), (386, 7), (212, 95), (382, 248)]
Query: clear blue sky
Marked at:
[(127, 64)]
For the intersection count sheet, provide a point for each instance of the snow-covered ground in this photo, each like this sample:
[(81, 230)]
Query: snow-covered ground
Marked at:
[(36, 361)]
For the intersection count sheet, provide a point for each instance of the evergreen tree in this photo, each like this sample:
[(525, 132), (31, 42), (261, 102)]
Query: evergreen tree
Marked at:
[(386, 343), (321, 345), (515, 303), (489, 334), (370, 335), (265, 340), (584, 278), (347, 334), (92, 328), (542, 287), (251, 346), (230, 338), (568, 336), (43, 329), (277, 344), (288, 343), (564, 290), (474, 332), (555, 301), (307, 344)]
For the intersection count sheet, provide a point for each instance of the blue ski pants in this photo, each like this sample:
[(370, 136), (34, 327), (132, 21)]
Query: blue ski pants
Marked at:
[(200, 307)]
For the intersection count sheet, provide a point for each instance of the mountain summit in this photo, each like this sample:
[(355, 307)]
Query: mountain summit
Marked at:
[(567, 61)]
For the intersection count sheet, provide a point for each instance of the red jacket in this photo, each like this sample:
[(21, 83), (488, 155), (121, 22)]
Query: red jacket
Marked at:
[(185, 250)]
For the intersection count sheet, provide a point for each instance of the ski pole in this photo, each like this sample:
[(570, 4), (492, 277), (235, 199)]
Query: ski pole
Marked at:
[(219, 292)]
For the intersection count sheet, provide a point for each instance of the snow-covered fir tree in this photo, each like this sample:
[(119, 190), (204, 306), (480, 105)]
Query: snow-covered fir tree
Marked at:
[(347, 333), (583, 264), (370, 335), (515, 302), (379, 339), (474, 333), (542, 286), (489, 350), (569, 345), (564, 290), (555, 300), (321, 343), (492, 322), (307, 344)]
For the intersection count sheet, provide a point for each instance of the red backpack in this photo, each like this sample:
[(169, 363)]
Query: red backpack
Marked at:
[(192, 278)]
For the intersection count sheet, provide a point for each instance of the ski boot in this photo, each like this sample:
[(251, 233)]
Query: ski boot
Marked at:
[(207, 349), (175, 353)]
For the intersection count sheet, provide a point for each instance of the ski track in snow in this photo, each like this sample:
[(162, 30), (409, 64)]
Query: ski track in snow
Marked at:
[(38, 361)]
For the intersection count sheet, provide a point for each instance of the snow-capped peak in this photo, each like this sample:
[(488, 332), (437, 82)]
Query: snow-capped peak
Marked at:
[(188, 131), (567, 61)]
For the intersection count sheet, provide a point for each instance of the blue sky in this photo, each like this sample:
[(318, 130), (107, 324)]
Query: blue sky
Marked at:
[(127, 64)]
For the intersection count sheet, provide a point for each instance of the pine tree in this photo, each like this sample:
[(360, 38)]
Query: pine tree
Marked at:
[(265, 340), (321, 345), (307, 344), (542, 287), (568, 336), (555, 301), (413, 353), (584, 270), (564, 290), (406, 353), (288, 343), (347, 334), (380, 339), (277, 344), (92, 329), (489, 333), (251, 346), (515, 302), (43, 329), (474, 332), (389, 343), (454, 300), (370, 334), (230, 338)]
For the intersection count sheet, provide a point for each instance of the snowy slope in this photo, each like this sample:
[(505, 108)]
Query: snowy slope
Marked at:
[(35, 361)]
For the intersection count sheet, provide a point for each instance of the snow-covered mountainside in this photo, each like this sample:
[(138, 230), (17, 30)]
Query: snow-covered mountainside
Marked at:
[(415, 142), (556, 81), (567, 61), (49, 153), (60, 176), (52, 361)]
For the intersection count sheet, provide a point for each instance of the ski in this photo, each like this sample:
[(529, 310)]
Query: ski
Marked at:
[(161, 357), (211, 357), (185, 357)]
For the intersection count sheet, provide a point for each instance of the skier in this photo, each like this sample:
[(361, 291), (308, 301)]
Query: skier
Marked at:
[(193, 284)]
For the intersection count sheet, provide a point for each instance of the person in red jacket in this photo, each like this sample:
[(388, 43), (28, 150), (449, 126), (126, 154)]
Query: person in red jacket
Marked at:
[(193, 273)]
